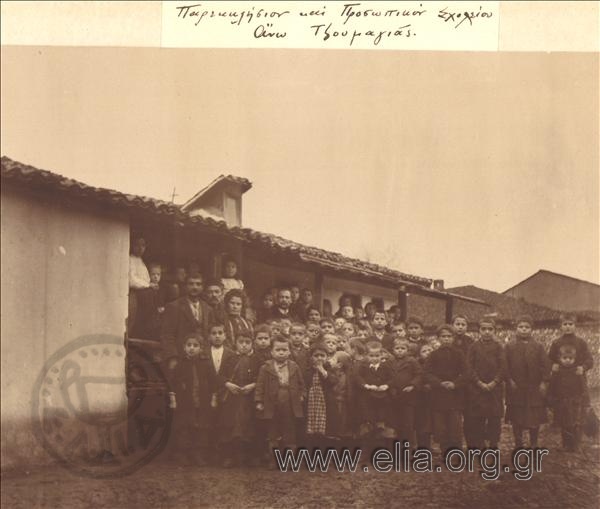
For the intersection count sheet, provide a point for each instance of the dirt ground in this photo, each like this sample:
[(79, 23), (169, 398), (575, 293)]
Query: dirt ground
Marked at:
[(566, 480)]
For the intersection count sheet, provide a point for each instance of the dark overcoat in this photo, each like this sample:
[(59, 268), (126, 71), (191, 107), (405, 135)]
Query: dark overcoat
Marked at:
[(267, 388)]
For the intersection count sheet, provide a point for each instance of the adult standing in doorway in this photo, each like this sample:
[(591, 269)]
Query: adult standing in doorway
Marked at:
[(189, 315), (139, 279)]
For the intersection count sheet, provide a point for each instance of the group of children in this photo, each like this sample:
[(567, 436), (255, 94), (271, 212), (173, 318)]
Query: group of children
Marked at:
[(361, 381)]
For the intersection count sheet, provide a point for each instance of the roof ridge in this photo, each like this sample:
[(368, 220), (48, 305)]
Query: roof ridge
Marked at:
[(26, 174), (550, 272)]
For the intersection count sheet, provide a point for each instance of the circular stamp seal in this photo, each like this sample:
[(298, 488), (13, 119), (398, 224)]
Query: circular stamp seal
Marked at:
[(89, 419)]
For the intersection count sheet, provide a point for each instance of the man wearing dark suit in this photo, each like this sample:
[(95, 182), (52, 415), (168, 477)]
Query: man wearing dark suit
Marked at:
[(186, 316), (283, 307)]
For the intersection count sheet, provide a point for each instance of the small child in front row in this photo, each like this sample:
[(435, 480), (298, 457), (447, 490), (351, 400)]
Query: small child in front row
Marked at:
[(373, 379), (320, 399), (191, 398), (236, 405), (528, 374), (486, 367), (445, 372), (279, 395), (567, 395), (407, 376)]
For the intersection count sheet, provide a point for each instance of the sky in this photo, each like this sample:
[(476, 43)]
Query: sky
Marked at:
[(475, 168)]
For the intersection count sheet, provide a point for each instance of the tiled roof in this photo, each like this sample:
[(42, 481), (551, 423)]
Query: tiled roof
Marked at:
[(33, 178), (506, 307)]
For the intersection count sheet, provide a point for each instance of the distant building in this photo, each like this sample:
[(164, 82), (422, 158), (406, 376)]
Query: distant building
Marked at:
[(558, 291), (503, 308)]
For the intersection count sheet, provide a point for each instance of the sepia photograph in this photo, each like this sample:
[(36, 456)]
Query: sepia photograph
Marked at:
[(358, 271)]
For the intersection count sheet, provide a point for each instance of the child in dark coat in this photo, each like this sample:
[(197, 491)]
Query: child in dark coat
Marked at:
[(486, 367), (583, 357), (462, 341), (567, 395), (236, 405), (423, 417), (528, 374), (445, 372), (220, 362), (373, 379), (406, 379), (279, 395), (193, 386), (358, 352)]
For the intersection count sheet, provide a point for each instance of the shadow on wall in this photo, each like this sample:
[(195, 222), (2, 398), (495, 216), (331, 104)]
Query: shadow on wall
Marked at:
[(20, 447)]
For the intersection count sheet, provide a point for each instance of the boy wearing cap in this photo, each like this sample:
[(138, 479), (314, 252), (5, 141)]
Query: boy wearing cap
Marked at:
[(528, 374)]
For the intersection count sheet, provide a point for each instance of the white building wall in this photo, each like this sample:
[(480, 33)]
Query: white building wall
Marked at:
[(64, 275)]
